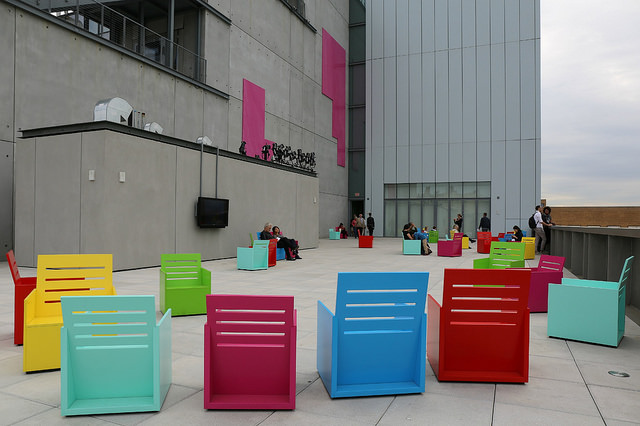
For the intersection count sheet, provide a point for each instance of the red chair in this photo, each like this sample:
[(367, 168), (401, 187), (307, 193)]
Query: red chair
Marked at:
[(484, 242), (365, 241), (500, 235), (250, 353), (452, 247), (273, 246), (481, 332), (549, 271), (23, 285)]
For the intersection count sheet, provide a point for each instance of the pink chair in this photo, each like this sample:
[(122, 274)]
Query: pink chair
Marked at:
[(549, 271), (250, 353), (451, 248)]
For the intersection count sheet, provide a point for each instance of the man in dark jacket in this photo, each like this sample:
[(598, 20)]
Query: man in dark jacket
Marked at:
[(371, 223), (485, 223)]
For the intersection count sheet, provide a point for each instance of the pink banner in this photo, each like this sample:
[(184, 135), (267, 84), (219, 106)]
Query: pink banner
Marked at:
[(253, 116), (334, 78)]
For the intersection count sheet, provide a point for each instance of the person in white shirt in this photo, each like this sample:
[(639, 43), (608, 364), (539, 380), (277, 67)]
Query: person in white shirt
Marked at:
[(541, 238)]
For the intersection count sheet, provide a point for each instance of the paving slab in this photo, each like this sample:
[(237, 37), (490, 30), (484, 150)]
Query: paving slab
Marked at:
[(569, 383)]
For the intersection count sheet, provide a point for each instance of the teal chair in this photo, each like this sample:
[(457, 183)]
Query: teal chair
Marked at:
[(334, 235), (411, 246), (254, 258), (184, 284), (114, 357), (587, 310)]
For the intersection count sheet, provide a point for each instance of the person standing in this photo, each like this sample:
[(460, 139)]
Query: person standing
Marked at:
[(547, 223), (361, 224), (354, 223), (458, 221), (485, 223), (371, 224), (541, 238)]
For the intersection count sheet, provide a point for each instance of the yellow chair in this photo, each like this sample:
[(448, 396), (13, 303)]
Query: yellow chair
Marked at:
[(465, 242), (59, 275), (529, 247)]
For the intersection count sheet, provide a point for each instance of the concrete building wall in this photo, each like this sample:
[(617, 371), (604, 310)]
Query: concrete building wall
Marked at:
[(60, 210), (272, 48), (453, 96), (52, 75)]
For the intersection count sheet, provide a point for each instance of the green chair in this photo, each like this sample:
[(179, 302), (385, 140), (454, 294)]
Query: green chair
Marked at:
[(433, 236), (502, 255), (253, 258), (184, 284), (588, 310), (114, 357)]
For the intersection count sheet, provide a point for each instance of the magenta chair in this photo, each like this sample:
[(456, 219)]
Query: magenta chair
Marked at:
[(250, 353), (549, 271), (451, 248)]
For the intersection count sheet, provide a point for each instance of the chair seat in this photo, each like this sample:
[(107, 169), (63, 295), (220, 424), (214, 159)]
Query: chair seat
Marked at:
[(112, 405), (247, 401), (390, 388), (45, 321), (186, 285)]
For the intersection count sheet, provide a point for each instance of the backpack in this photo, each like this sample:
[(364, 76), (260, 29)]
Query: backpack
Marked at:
[(532, 222)]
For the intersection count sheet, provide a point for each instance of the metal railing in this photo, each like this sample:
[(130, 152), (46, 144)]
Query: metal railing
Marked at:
[(98, 19)]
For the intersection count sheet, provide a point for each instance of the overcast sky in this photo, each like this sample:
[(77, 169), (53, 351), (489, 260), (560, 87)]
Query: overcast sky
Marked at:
[(590, 102)]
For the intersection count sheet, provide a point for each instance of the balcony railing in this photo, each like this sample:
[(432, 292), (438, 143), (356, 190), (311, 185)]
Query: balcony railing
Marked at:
[(110, 25)]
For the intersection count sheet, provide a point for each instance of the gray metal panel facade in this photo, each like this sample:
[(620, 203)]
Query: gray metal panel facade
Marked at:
[(479, 103)]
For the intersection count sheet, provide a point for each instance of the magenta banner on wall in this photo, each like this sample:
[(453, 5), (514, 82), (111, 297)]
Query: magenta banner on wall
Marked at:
[(253, 116), (334, 78)]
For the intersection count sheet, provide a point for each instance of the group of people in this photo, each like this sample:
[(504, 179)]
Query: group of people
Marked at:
[(359, 224), (411, 232), (542, 231), (540, 224), (290, 245)]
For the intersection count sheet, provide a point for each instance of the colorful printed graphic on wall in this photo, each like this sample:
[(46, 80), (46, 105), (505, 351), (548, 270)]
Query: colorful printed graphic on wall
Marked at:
[(253, 116), (334, 71)]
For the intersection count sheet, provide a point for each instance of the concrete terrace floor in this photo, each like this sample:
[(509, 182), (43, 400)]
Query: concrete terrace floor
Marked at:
[(568, 382)]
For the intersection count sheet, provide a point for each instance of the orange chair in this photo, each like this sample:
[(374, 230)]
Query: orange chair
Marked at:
[(24, 286)]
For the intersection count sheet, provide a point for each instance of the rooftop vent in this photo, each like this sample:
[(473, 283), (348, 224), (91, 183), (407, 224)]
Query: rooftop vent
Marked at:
[(116, 110)]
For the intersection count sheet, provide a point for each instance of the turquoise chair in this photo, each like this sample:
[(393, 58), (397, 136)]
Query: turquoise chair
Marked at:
[(254, 258), (375, 343), (411, 246), (114, 357), (184, 284), (587, 310), (334, 235)]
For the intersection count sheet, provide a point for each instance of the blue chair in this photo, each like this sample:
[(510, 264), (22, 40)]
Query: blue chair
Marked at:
[(280, 254), (411, 246), (114, 358), (375, 343), (587, 310)]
